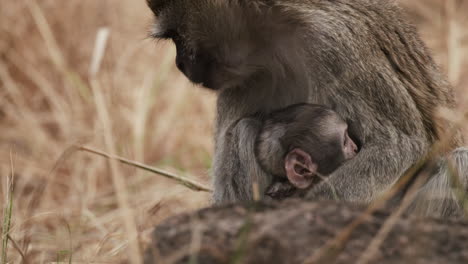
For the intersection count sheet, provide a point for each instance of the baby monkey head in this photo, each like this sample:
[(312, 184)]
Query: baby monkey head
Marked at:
[(224, 43), (302, 142)]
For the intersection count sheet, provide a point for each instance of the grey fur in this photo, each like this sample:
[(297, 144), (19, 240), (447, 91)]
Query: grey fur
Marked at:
[(359, 57), (269, 149), (446, 193), (242, 133)]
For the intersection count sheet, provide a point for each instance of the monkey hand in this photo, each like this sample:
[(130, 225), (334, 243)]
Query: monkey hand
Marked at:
[(280, 190)]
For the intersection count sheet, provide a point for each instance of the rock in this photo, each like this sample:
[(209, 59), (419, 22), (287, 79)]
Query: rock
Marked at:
[(296, 231)]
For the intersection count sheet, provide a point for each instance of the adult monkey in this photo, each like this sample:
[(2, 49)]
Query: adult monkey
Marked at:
[(359, 57)]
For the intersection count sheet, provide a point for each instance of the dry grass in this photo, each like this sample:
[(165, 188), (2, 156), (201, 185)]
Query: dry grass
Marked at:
[(135, 104)]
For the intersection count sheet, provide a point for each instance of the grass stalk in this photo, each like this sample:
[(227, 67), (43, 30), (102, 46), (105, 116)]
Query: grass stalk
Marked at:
[(189, 183), (8, 211)]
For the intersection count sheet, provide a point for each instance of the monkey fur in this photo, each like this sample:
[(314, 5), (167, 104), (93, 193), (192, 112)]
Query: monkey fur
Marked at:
[(299, 145), (361, 58)]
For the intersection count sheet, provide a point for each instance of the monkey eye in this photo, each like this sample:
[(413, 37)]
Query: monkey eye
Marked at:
[(168, 34)]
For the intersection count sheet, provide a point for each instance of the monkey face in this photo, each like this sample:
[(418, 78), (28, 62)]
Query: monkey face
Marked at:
[(220, 44), (350, 148)]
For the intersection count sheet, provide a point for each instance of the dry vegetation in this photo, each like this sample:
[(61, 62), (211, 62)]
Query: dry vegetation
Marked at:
[(75, 205)]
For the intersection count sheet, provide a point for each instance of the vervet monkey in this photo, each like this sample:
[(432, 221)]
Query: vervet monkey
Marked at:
[(360, 57), (300, 144)]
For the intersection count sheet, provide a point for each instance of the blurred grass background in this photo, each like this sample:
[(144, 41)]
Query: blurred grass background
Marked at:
[(65, 204)]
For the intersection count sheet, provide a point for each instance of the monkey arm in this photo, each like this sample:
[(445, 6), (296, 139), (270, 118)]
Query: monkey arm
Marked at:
[(235, 168), (360, 179)]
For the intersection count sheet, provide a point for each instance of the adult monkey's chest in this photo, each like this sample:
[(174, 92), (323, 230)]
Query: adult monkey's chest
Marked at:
[(354, 111)]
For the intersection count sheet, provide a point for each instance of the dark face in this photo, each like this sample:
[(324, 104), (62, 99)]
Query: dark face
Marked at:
[(340, 146), (349, 148), (211, 42), (196, 64), (220, 44)]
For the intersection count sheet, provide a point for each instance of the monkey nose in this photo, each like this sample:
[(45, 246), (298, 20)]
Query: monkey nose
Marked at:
[(354, 147)]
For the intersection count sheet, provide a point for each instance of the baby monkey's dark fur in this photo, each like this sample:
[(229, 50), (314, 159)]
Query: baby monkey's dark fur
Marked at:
[(300, 144)]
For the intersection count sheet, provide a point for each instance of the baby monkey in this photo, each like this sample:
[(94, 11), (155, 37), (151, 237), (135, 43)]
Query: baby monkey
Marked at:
[(299, 144)]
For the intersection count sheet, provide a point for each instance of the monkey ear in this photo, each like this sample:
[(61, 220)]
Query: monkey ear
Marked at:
[(300, 169)]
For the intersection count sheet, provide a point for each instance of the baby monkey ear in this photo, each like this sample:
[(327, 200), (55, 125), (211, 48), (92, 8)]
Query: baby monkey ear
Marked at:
[(300, 169)]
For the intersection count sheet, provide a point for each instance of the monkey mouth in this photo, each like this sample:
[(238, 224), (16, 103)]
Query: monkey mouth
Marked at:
[(216, 82), (208, 85), (203, 80), (211, 84), (202, 83)]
